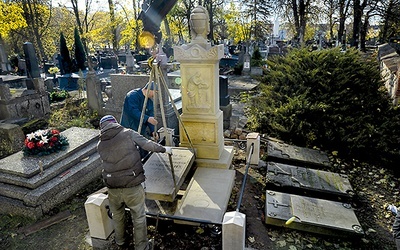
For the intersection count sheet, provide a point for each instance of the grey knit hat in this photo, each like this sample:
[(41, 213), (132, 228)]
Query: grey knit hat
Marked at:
[(107, 118)]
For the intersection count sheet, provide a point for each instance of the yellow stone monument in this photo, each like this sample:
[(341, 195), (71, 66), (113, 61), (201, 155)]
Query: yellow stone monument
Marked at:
[(199, 63)]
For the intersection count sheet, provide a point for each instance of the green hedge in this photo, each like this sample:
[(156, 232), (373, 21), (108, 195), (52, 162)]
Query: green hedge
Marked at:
[(330, 99)]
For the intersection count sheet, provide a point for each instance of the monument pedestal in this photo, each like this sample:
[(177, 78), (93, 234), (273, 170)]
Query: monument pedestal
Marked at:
[(224, 161), (205, 134)]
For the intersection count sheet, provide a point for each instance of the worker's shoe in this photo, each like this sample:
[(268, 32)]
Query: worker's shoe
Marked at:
[(150, 244), (124, 246)]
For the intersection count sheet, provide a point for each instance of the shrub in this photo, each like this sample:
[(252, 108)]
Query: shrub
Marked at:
[(329, 99), (74, 114), (256, 59), (60, 95)]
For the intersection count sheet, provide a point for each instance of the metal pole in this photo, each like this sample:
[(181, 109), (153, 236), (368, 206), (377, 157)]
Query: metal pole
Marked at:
[(245, 176)]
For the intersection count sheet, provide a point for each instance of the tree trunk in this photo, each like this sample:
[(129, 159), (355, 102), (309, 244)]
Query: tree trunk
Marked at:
[(302, 20), (32, 18), (356, 23), (296, 19), (114, 41), (343, 10), (363, 34)]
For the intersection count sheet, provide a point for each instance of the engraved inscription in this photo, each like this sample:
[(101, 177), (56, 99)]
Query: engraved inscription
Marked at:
[(158, 172)]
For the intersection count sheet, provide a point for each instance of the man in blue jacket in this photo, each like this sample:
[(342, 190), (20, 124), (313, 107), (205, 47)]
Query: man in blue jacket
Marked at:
[(132, 111)]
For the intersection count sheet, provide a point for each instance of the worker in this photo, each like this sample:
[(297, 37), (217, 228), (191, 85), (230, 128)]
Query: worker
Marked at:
[(123, 174), (132, 112)]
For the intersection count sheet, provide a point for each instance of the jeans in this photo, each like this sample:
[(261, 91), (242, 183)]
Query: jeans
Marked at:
[(396, 230), (134, 199)]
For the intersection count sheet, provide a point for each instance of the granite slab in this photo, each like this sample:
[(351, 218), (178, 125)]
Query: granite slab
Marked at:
[(52, 171), (311, 214), (281, 152), (28, 166), (301, 180)]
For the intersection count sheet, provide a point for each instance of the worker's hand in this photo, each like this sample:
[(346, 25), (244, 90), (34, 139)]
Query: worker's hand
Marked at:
[(155, 136), (168, 150), (152, 120)]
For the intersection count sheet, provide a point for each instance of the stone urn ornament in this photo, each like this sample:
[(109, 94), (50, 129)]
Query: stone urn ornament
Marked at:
[(200, 25)]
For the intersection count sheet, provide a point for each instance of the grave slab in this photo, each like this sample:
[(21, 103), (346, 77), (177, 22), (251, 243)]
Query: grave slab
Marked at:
[(311, 214), (281, 152), (27, 166), (26, 189), (159, 177), (300, 180), (207, 195), (52, 171)]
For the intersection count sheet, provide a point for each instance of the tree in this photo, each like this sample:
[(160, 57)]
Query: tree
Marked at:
[(80, 54), (390, 14), (259, 12), (10, 18), (178, 24), (66, 62), (238, 28), (37, 14)]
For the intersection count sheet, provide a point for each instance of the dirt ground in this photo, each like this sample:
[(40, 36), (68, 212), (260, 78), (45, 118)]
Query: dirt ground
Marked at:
[(72, 233)]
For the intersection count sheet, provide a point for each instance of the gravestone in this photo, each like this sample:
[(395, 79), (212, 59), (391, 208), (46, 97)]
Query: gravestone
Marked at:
[(161, 183), (278, 151), (32, 186), (4, 64), (311, 214), (300, 180), (31, 61)]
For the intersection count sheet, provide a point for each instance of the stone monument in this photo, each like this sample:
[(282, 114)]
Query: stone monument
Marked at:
[(201, 116)]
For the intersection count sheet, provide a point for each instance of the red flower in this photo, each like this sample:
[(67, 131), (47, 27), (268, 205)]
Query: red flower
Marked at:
[(54, 139), (39, 144), (30, 145), (55, 132), (51, 144)]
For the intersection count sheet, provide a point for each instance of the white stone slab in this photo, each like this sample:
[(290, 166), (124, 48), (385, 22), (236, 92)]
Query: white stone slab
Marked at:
[(207, 195), (312, 215), (159, 180)]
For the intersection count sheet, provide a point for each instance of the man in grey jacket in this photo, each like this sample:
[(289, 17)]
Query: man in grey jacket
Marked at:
[(123, 174)]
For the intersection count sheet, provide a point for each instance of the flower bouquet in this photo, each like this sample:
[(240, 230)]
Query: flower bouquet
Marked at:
[(54, 70), (44, 142)]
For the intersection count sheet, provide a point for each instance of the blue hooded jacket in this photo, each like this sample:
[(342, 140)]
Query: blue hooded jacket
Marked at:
[(132, 110)]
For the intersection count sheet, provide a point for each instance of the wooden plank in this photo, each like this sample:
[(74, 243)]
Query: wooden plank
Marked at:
[(45, 223)]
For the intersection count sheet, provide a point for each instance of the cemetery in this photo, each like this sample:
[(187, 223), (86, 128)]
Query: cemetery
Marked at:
[(226, 186)]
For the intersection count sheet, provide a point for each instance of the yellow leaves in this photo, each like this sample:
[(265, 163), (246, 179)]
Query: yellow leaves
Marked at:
[(289, 221), (11, 18), (200, 230)]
